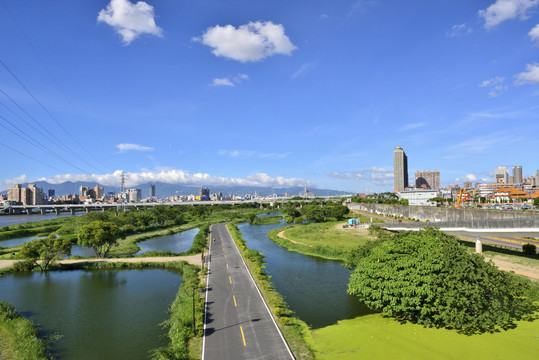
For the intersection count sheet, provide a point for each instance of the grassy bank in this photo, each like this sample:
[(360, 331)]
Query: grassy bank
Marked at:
[(328, 239), (378, 337), (18, 336), (295, 331)]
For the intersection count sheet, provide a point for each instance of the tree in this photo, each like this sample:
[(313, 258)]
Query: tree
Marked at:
[(536, 201), (336, 211), (100, 236), (43, 252), (427, 277)]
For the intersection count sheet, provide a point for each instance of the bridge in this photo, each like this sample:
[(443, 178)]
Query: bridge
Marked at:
[(73, 208)]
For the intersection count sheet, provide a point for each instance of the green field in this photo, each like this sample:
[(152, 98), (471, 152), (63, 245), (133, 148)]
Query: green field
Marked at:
[(328, 240), (378, 337)]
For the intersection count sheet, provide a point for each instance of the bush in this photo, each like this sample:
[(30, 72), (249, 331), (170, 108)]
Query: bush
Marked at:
[(25, 265), (7, 311), (528, 249), (428, 278)]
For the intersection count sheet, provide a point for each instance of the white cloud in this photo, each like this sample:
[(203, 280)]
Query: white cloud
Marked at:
[(503, 10), (130, 20), (496, 85), (459, 30), (128, 147), (252, 153), (7, 183), (251, 42), (221, 82), (374, 175), (231, 80), (530, 76), (175, 176), (303, 69), (534, 34)]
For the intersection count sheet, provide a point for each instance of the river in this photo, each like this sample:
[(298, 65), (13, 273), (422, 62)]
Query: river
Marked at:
[(100, 314), (6, 220), (314, 288)]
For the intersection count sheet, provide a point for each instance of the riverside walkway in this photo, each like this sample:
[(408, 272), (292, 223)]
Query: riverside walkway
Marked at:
[(238, 323)]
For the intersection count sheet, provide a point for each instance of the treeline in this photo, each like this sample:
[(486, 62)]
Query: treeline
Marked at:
[(314, 212), (382, 198)]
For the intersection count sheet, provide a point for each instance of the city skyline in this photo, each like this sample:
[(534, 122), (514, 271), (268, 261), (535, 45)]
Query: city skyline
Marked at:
[(310, 93)]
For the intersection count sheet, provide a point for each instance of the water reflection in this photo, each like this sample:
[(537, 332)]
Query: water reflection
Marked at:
[(101, 314), (313, 287), (175, 243)]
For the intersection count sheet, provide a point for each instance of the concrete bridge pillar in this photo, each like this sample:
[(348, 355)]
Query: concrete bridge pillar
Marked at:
[(73, 210), (29, 211), (478, 246), (11, 211), (87, 209), (42, 210), (57, 210)]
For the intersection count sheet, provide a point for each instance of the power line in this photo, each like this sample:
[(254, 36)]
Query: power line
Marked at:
[(43, 147), (28, 156), (53, 137), (47, 112)]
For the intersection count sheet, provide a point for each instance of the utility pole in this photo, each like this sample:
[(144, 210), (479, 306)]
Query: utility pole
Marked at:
[(122, 190)]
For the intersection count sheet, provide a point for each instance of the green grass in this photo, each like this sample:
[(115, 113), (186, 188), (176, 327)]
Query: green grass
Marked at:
[(328, 240), (18, 336), (378, 337)]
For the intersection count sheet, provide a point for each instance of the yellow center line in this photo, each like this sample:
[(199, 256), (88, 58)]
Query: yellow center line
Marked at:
[(243, 336), (230, 279), (227, 266), (225, 256), (235, 305)]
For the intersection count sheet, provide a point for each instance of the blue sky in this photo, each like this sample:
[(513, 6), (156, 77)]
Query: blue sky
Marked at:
[(252, 92)]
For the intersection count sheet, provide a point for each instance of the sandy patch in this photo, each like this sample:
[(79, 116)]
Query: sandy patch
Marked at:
[(281, 235)]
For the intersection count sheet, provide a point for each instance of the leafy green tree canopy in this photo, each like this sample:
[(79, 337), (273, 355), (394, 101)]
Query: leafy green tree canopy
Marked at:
[(43, 252), (100, 236), (429, 278)]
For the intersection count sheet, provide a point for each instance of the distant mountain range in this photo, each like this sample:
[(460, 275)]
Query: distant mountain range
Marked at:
[(165, 190)]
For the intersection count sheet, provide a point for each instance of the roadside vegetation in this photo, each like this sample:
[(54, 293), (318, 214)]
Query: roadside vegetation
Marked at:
[(133, 226), (19, 338), (295, 331)]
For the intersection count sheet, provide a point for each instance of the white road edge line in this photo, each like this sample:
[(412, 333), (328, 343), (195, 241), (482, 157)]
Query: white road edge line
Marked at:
[(206, 297), (261, 297)]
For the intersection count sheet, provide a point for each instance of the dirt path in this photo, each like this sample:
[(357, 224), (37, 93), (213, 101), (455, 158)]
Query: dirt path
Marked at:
[(281, 235), (191, 259), (521, 269)]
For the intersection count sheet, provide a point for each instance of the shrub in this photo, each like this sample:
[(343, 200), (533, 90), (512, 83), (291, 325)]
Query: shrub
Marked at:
[(427, 277), (7, 311), (528, 249)]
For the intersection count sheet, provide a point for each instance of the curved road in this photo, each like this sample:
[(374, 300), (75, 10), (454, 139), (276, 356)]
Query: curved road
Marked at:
[(238, 323)]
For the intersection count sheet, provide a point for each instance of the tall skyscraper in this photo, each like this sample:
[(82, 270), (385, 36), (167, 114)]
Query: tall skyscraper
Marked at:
[(152, 190), (400, 169), (537, 178), (501, 175), (427, 179), (517, 174)]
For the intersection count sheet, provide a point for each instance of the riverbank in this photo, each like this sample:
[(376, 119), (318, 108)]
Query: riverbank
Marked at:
[(195, 259)]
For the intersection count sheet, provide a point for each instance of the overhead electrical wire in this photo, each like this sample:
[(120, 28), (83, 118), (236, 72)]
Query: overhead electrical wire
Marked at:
[(47, 112), (53, 137), (36, 143), (30, 157)]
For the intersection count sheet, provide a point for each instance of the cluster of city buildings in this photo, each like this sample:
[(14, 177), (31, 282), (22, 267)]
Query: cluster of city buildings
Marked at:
[(33, 195), (504, 188)]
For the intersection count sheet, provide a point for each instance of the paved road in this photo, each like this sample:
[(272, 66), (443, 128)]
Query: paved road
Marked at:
[(238, 324)]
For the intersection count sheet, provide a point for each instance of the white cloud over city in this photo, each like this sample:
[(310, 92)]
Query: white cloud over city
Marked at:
[(374, 175), (459, 30), (133, 147), (503, 10), (130, 20), (534, 34), (250, 42), (496, 86), (230, 80), (173, 176)]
